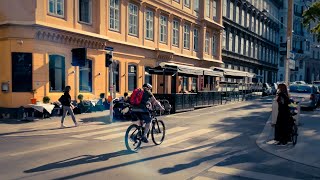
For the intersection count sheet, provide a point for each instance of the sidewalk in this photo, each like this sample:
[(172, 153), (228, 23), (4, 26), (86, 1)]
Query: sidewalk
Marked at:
[(10, 125), (308, 146)]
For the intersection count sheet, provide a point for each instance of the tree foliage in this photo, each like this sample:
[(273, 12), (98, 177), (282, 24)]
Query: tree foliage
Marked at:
[(312, 15)]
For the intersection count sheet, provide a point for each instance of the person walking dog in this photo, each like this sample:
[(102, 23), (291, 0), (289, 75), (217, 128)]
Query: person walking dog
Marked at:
[(65, 101)]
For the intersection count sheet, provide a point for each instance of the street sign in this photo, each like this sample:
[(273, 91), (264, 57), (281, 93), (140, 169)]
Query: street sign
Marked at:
[(292, 64), (108, 48)]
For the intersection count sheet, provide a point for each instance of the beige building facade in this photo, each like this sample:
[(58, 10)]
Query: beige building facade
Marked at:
[(37, 36)]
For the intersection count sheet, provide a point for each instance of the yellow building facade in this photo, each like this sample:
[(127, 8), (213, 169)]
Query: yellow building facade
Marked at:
[(37, 36)]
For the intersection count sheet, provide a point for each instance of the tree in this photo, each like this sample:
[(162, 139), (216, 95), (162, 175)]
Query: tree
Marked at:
[(312, 15)]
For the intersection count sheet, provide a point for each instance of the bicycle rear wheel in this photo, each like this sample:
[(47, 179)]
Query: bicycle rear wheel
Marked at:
[(158, 132), (294, 134), (133, 137)]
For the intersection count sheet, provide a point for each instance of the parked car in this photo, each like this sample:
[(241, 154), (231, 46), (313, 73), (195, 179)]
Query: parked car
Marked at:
[(266, 89), (306, 94), (298, 82)]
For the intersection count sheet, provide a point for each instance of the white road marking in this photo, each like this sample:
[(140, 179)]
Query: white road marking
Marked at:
[(185, 137), (122, 134), (247, 174), (40, 149), (100, 132), (219, 138), (202, 178)]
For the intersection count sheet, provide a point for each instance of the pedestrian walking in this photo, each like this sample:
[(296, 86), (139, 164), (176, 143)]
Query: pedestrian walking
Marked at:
[(65, 100), (283, 119)]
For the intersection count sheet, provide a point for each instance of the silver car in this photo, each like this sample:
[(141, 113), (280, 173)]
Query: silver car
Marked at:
[(306, 94)]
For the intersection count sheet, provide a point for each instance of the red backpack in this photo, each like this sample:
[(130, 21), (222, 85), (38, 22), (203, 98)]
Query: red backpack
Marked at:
[(136, 97)]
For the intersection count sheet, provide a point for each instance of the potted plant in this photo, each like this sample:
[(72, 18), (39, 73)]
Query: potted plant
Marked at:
[(46, 100), (33, 99)]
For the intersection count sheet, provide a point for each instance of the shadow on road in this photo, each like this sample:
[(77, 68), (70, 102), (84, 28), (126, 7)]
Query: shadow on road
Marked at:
[(78, 160)]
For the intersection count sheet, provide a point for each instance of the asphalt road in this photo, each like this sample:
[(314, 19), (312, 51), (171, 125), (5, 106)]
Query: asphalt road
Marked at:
[(210, 143)]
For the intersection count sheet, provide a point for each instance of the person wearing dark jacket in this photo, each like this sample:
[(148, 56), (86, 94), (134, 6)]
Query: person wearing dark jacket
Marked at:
[(283, 118), (65, 101)]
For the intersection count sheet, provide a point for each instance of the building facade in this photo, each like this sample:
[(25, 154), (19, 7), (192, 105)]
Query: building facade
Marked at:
[(37, 37), (250, 38), (305, 47)]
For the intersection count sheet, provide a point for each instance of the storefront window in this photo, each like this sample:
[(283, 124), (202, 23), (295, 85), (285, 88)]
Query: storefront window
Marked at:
[(85, 84), (56, 73), (147, 76), (21, 72), (185, 84), (132, 77)]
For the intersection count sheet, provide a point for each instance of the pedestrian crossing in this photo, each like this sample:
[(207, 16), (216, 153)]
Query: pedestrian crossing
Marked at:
[(181, 137)]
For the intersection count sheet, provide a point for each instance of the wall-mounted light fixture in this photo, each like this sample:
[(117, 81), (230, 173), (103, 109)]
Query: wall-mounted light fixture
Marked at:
[(5, 86), (99, 74), (72, 72), (20, 42)]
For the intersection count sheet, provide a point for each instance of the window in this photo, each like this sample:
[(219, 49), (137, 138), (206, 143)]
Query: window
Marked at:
[(213, 45), (147, 76), (21, 72), (85, 11), (56, 73), (248, 20), (163, 29), (132, 77), (186, 36), (231, 10), (225, 8), (195, 39), (196, 5), (56, 7), (208, 8), (237, 15), (236, 44), (149, 25), (230, 42), (243, 51), (256, 51), (114, 15), (187, 3), (252, 23), (85, 84), (214, 9), (206, 49), (116, 80), (247, 48), (242, 17), (194, 84), (175, 33), (133, 19), (224, 38)]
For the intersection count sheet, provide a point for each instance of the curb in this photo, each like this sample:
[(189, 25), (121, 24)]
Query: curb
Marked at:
[(267, 135)]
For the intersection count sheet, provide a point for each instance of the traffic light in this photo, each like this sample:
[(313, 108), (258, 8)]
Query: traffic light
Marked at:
[(79, 56), (108, 59)]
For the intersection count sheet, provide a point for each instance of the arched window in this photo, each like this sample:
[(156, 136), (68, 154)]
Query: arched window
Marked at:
[(56, 73), (147, 76), (116, 80), (132, 77), (85, 80)]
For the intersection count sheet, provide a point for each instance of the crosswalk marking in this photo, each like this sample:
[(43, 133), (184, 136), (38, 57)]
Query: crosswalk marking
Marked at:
[(202, 178), (219, 138), (122, 134), (247, 174), (185, 137), (100, 132), (41, 149)]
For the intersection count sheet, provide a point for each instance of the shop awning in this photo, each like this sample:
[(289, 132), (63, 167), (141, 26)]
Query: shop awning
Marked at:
[(190, 70), (233, 73)]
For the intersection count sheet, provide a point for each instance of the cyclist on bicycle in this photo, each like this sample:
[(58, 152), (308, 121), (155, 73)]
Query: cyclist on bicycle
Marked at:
[(142, 110)]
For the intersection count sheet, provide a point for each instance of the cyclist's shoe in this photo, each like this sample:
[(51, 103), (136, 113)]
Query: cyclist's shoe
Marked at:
[(144, 139)]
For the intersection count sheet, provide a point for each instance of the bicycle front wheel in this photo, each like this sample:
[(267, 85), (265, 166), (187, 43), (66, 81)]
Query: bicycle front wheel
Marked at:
[(133, 137), (158, 132), (294, 134)]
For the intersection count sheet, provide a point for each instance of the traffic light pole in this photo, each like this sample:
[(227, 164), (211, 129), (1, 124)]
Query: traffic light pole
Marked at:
[(111, 88)]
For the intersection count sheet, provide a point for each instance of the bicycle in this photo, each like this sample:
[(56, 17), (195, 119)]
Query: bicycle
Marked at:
[(135, 133), (294, 128)]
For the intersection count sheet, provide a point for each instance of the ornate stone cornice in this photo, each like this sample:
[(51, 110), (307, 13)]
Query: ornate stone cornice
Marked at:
[(69, 39)]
